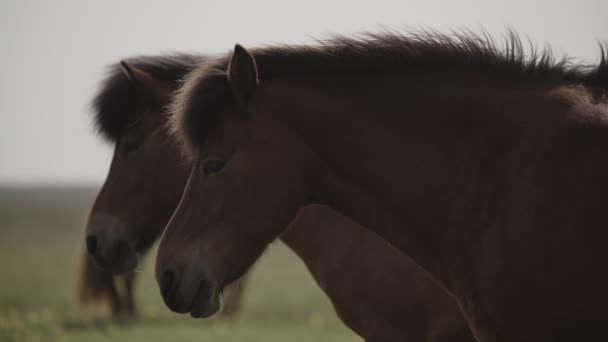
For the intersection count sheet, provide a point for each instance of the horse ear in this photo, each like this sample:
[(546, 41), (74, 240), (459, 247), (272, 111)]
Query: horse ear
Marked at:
[(242, 74), (142, 80), (128, 72)]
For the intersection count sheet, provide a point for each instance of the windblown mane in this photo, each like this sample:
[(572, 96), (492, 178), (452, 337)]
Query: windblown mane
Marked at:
[(598, 77), (207, 90), (116, 101)]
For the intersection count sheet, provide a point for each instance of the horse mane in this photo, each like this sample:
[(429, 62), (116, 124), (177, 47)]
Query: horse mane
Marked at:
[(116, 101), (598, 76), (206, 90)]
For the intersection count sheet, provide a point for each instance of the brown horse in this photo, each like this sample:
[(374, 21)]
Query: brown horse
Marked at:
[(347, 271), (487, 167), (137, 199)]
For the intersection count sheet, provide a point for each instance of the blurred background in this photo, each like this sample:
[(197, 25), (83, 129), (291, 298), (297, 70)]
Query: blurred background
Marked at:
[(51, 163)]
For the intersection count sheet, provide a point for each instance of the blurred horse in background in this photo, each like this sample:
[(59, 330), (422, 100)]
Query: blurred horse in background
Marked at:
[(145, 180)]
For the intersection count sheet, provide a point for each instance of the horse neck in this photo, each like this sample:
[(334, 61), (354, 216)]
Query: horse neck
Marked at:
[(320, 236), (413, 158)]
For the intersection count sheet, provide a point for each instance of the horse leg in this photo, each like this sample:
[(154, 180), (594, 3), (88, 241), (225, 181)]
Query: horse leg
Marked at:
[(97, 285), (124, 303), (233, 299), (115, 300), (129, 298)]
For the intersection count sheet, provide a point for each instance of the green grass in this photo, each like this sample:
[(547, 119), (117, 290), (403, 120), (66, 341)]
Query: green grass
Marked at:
[(40, 248)]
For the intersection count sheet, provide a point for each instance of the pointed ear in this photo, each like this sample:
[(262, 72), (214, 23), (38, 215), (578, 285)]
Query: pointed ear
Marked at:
[(142, 80), (128, 71), (242, 74)]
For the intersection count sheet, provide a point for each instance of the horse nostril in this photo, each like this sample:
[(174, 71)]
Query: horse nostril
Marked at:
[(91, 244), (166, 282)]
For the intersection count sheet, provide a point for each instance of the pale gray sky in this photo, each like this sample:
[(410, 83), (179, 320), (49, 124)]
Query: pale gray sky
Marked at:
[(53, 54)]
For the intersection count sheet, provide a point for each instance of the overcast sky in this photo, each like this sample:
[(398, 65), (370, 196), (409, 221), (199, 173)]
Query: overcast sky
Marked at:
[(53, 54)]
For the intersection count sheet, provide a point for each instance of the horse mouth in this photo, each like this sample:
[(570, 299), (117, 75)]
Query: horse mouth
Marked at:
[(206, 302), (119, 268)]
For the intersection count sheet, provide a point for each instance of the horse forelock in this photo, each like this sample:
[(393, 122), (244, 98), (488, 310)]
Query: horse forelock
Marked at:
[(195, 108), (115, 103)]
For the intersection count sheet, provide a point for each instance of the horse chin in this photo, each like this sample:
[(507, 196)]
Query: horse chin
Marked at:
[(131, 264), (127, 266), (203, 308)]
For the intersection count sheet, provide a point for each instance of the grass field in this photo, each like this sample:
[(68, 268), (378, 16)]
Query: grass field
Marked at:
[(40, 248)]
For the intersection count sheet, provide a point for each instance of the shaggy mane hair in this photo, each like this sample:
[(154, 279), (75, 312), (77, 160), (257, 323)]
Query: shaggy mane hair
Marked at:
[(207, 90), (115, 105), (598, 77)]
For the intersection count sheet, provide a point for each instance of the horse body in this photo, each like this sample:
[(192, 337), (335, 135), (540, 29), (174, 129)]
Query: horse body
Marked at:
[(543, 257), (487, 169), (520, 235)]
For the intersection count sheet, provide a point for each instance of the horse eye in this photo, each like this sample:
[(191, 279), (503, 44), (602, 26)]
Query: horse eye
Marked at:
[(212, 166), (129, 145)]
